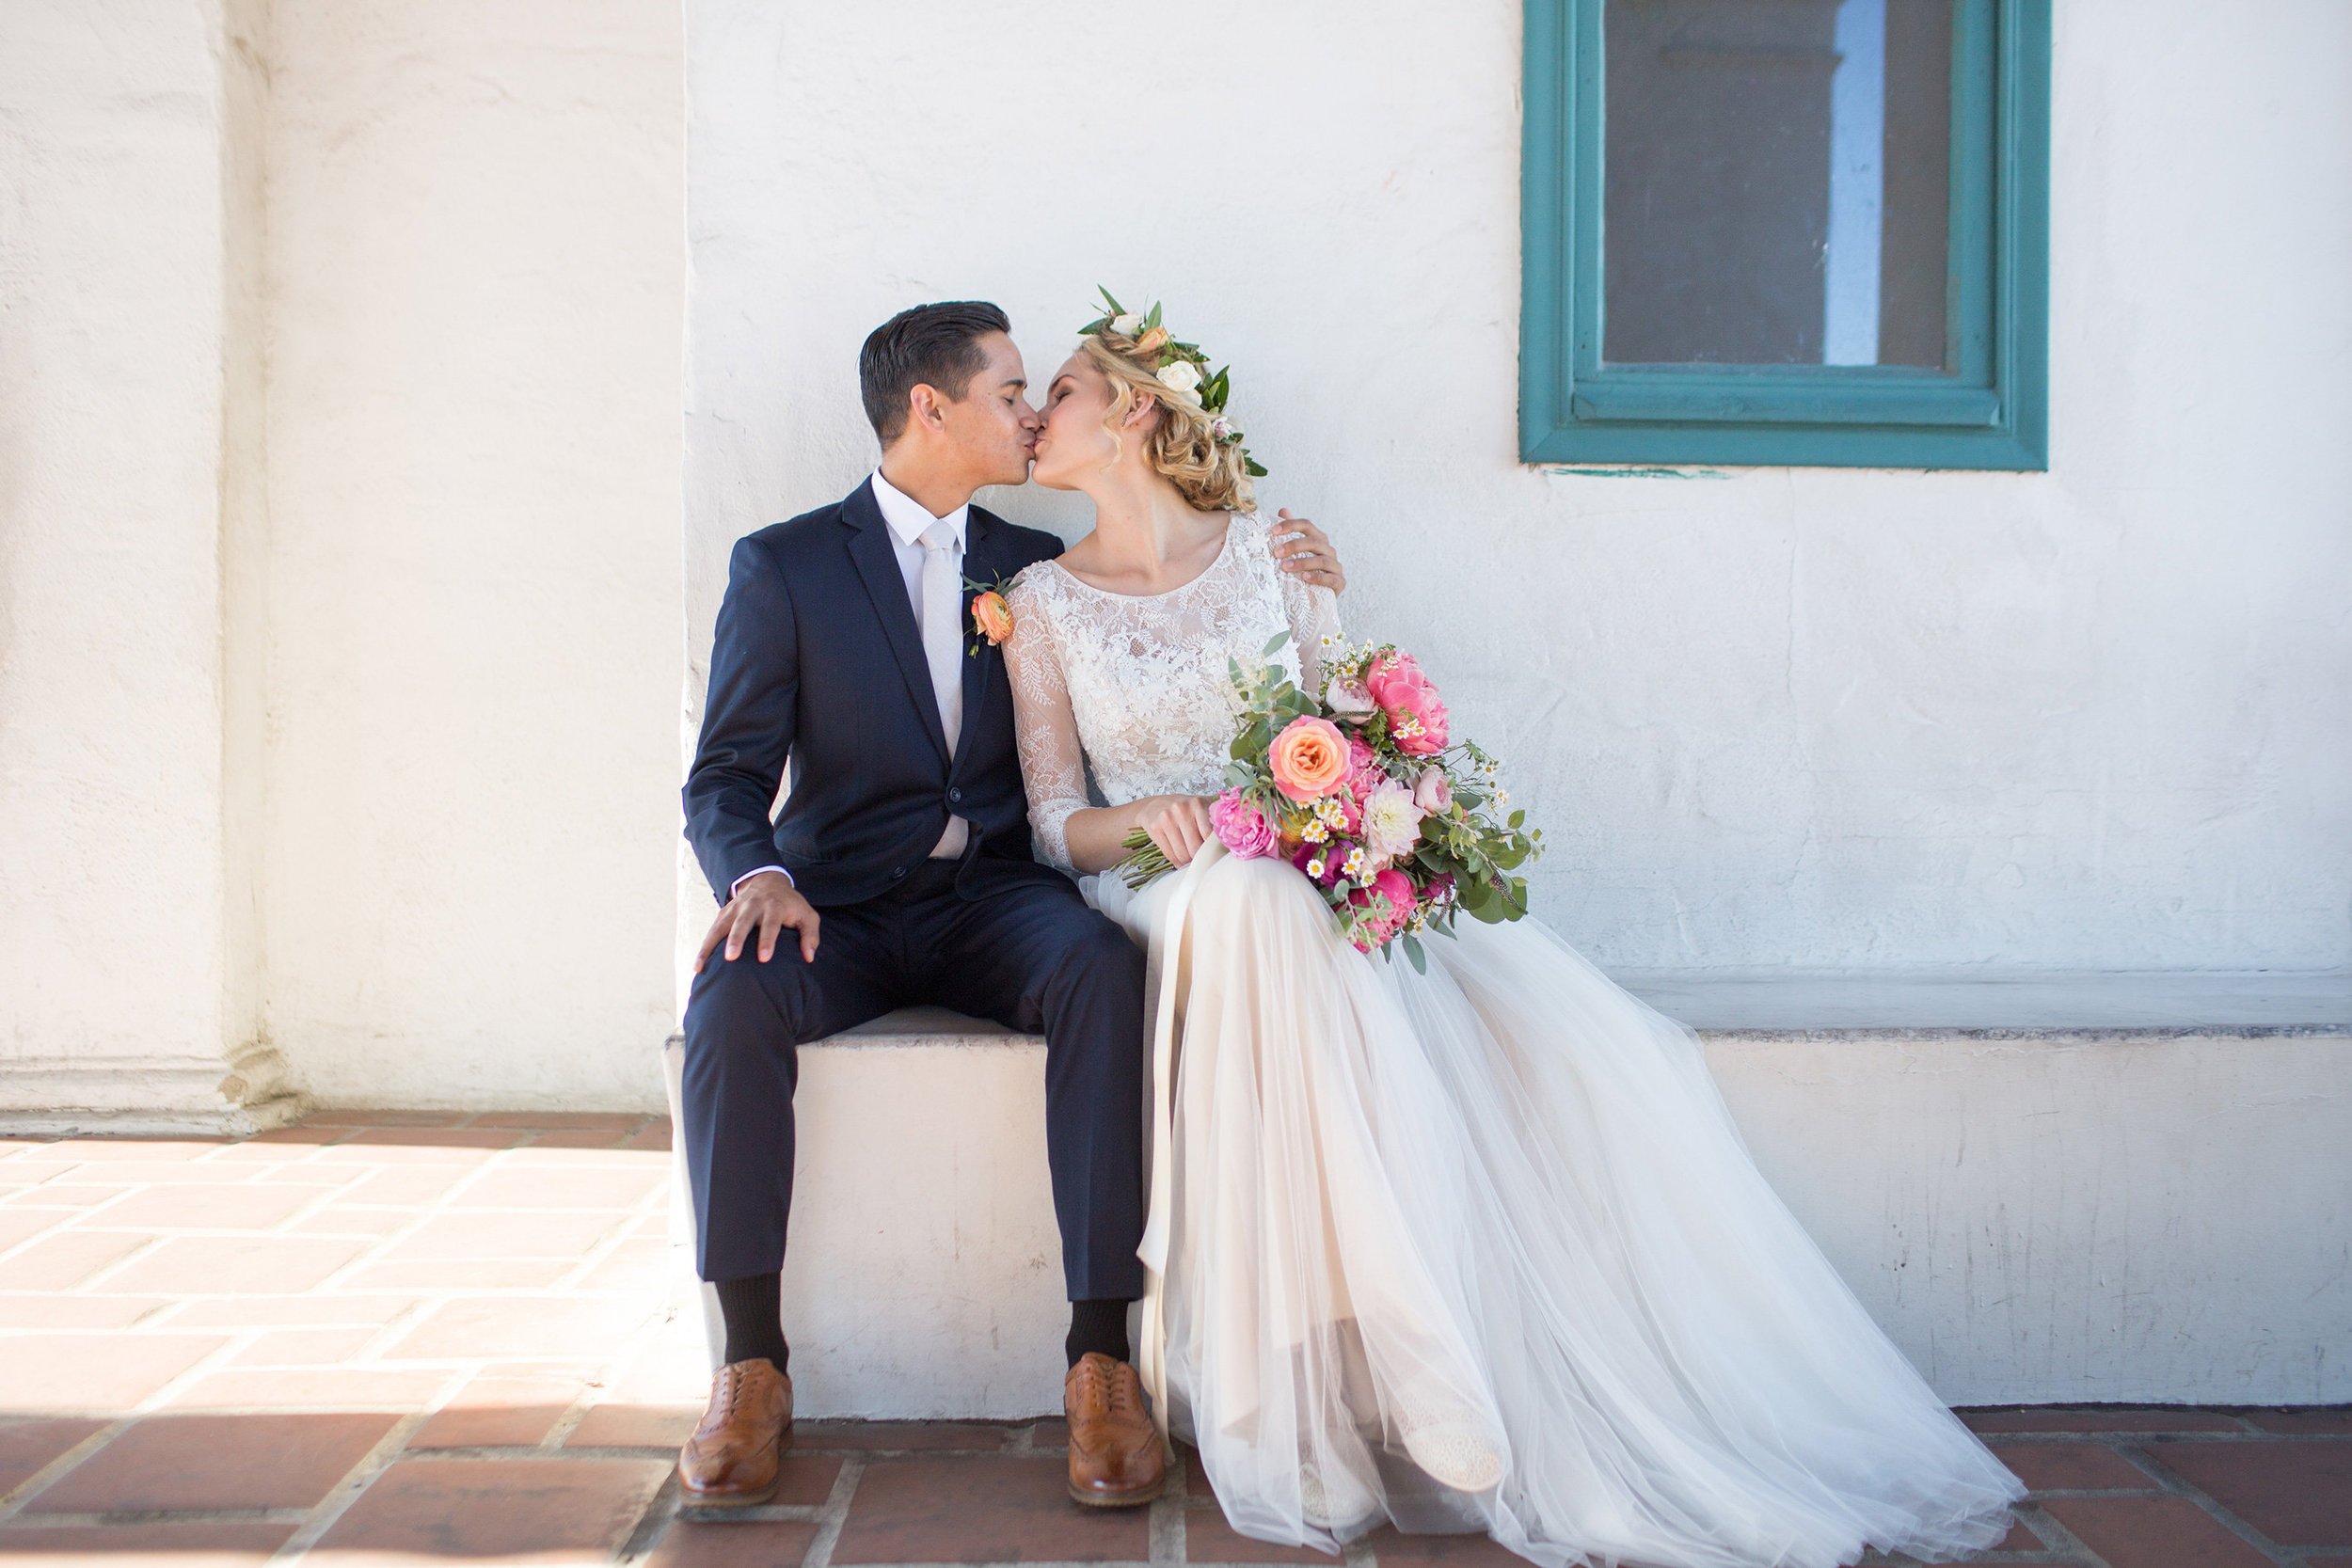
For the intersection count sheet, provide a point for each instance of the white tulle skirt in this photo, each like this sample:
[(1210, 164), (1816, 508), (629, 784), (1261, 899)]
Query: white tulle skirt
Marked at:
[(1481, 1250)]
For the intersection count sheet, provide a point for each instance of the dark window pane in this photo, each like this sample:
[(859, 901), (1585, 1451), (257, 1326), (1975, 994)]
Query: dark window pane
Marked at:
[(1777, 182)]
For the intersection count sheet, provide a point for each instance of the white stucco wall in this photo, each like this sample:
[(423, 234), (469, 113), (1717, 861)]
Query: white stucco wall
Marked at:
[(474, 251), (2099, 718)]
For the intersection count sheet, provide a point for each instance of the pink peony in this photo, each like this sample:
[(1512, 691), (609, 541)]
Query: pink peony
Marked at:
[(1242, 826), (1364, 772), (1403, 693), (1397, 887), (1433, 791)]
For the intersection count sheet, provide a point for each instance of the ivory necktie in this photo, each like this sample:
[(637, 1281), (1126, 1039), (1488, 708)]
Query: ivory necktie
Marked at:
[(943, 648)]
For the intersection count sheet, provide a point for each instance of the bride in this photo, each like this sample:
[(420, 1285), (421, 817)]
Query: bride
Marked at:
[(1474, 1249)]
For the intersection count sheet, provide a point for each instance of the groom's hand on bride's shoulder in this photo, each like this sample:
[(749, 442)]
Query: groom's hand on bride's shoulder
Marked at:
[(1305, 552), (763, 908)]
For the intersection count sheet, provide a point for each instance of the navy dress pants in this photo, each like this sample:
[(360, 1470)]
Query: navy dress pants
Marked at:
[(1024, 951)]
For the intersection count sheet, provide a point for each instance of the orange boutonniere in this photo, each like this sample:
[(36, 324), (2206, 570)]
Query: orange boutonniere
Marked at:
[(992, 618)]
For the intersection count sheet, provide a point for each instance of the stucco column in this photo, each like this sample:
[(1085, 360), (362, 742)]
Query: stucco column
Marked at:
[(129, 522)]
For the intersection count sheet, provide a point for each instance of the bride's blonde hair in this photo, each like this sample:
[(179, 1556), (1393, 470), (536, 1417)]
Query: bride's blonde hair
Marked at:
[(1210, 475)]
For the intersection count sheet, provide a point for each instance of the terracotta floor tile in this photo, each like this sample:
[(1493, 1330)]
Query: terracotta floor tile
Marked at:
[(405, 1186), (188, 1463), (304, 1347), (548, 1510), (1209, 1538), (295, 1136), (2323, 1422), (462, 1144), (460, 1274), (539, 1190), (153, 1173), (342, 1219), (2143, 1419), (19, 1225), (627, 1425), (642, 1266), (225, 1265), (142, 1150), (40, 1310), (495, 1412), (2298, 1493), (98, 1373), (239, 1208), (27, 1446), (2152, 1532), (384, 1118), (336, 1388), (2074, 1467), (185, 1543), (64, 1195), (1395, 1550), (709, 1542), (325, 1309), (609, 1121), (918, 1437), (579, 1138), (656, 1135), (523, 1327), (505, 1236), (65, 1259), (982, 1510)]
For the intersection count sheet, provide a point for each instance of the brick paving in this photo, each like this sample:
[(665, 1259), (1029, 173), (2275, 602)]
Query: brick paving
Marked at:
[(378, 1337)]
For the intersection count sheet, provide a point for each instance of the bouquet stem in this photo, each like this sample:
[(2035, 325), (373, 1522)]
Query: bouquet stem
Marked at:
[(1143, 860)]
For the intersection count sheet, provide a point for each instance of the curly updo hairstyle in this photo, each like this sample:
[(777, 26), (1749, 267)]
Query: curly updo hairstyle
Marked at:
[(1210, 474)]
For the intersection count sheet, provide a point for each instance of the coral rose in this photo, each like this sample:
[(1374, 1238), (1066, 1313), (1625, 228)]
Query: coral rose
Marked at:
[(1309, 759), (991, 616)]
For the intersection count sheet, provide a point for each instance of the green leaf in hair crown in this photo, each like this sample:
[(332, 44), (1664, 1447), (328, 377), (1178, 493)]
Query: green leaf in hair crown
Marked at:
[(1180, 367)]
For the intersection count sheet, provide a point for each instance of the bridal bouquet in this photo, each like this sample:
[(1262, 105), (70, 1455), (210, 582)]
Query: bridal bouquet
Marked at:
[(1362, 790)]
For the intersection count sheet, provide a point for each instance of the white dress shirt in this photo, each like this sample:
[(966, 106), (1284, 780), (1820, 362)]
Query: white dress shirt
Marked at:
[(908, 521)]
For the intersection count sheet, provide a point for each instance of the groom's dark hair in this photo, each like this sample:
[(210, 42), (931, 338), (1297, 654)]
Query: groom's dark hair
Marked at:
[(936, 345)]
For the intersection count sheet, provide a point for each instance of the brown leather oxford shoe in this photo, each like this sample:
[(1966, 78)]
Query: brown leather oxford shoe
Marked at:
[(733, 1458), (1116, 1459)]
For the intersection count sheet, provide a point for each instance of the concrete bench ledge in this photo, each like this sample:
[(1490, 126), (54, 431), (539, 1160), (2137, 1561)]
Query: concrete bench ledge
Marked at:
[(2047, 1188)]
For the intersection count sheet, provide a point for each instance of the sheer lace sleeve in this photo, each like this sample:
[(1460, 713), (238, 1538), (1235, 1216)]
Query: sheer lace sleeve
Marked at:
[(1053, 764), (1314, 614)]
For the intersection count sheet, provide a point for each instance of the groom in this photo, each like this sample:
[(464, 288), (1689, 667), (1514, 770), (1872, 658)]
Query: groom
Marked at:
[(899, 872)]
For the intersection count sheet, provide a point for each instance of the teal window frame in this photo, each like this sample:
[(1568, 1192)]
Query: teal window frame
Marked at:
[(1989, 410)]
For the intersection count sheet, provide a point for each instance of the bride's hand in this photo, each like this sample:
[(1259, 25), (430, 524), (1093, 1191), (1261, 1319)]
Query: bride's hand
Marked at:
[(1179, 824)]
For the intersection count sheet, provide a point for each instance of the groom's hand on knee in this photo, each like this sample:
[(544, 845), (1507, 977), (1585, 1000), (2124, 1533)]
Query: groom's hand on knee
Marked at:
[(762, 910)]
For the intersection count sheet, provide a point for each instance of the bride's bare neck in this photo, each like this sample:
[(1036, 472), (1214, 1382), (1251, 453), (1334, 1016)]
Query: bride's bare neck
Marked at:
[(1146, 537)]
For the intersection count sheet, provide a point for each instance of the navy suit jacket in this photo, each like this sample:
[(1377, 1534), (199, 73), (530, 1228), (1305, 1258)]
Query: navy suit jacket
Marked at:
[(818, 663)]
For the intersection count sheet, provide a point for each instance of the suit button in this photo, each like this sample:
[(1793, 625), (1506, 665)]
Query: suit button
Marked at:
[(897, 872), (955, 795)]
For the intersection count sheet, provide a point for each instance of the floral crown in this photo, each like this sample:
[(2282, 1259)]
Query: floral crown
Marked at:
[(1180, 368)]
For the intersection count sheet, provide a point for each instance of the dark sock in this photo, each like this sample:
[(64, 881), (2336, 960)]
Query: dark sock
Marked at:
[(1098, 1325), (753, 1313)]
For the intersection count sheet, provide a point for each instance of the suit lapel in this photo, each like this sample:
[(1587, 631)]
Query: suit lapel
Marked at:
[(876, 563)]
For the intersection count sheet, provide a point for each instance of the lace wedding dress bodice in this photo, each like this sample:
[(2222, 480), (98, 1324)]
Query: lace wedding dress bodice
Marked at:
[(1140, 684)]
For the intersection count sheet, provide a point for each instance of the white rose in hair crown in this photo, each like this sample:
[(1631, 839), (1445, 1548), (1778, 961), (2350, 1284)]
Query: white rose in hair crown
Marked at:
[(1181, 367)]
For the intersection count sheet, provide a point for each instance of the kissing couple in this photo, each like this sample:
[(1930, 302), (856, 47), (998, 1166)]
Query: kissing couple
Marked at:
[(1473, 1247)]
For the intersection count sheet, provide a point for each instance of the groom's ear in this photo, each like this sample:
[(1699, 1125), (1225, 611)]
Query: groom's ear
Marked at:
[(923, 407)]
